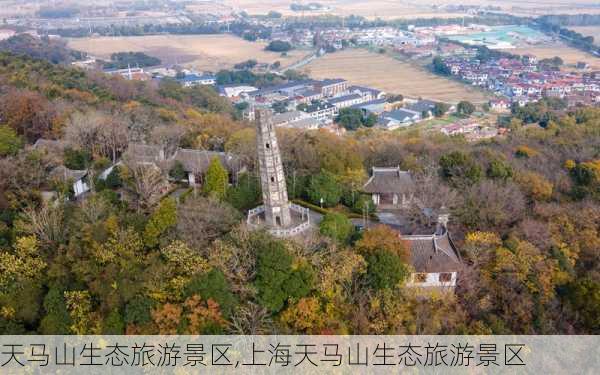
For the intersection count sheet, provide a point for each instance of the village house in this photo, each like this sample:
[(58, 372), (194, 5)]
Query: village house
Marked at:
[(499, 105), (390, 188), (194, 163), (77, 179), (522, 80), (435, 258)]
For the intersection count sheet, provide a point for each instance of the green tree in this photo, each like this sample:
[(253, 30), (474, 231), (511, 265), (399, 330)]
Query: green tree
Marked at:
[(364, 203), (385, 270), (465, 108), (177, 172), (138, 310), (277, 279), (56, 321), (113, 180), (213, 285), (584, 298), (350, 118), (10, 142), (22, 266), (77, 159), (246, 194), (217, 179), (499, 169), (324, 186), (161, 220), (440, 109), (440, 67), (586, 176), (113, 324), (336, 226), (459, 167), (279, 46)]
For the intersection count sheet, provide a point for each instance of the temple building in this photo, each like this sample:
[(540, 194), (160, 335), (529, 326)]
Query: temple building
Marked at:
[(435, 258), (390, 188)]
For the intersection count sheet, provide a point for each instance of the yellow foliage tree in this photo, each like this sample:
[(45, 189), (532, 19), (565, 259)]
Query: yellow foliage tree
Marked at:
[(535, 185), (384, 238), (306, 316), (23, 264), (79, 305)]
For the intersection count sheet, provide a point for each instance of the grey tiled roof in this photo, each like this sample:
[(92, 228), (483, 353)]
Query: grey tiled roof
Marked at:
[(142, 153), (421, 106), (389, 180), (341, 99), (197, 161), (63, 173), (435, 253)]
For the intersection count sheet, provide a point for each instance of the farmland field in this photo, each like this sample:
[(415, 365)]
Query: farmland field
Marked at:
[(569, 55), (203, 52), (390, 75), (388, 9)]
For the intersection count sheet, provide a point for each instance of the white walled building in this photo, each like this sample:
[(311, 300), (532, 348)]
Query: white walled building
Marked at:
[(435, 259)]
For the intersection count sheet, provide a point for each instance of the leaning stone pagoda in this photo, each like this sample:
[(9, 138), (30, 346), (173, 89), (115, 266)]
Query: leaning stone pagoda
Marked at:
[(280, 217)]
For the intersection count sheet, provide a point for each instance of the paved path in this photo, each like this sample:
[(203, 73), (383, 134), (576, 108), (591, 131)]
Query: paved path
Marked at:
[(299, 64)]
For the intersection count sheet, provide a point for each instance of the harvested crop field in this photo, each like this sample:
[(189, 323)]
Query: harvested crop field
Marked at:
[(569, 55), (203, 52), (389, 9), (385, 73)]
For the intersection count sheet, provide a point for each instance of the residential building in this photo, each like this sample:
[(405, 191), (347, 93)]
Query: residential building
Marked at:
[(376, 107), (398, 118), (130, 74), (346, 101), (499, 105), (233, 91), (296, 120), (323, 112), (424, 107), (332, 87), (191, 80)]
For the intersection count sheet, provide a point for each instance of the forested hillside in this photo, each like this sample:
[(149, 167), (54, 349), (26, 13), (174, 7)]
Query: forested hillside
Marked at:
[(525, 214)]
